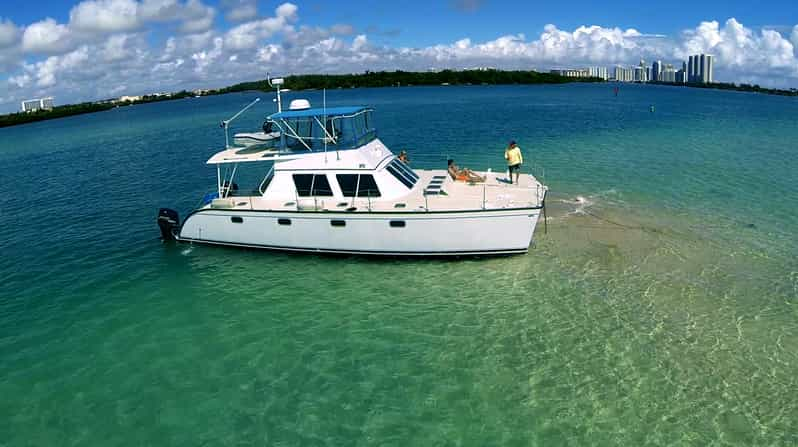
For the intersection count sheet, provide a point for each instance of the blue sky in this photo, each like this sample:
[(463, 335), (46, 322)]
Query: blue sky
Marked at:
[(87, 49)]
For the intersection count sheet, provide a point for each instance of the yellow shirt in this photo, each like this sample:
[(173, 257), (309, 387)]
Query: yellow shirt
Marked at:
[(513, 156)]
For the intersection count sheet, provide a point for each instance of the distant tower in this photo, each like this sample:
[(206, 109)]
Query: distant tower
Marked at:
[(656, 71), (708, 78), (702, 74)]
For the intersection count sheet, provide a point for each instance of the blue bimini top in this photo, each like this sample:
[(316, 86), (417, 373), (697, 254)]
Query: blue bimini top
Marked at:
[(330, 111)]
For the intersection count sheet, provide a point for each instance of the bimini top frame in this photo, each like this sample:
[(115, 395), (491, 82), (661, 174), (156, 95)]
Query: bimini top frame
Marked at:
[(306, 131), (322, 129)]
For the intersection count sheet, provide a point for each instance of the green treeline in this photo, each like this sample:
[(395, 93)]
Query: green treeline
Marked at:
[(304, 82), (79, 109), (732, 86), (407, 78)]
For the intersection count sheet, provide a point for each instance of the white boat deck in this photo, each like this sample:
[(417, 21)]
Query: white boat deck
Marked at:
[(493, 194)]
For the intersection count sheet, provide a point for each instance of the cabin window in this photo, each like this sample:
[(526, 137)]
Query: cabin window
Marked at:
[(312, 185), (237, 219), (362, 184), (397, 224), (283, 221)]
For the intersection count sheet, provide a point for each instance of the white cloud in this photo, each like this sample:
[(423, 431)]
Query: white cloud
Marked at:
[(21, 80), (197, 17), (359, 43), (47, 70), (240, 10), (160, 10), (203, 59), (87, 59), (120, 47), (740, 50), (9, 33), (105, 16), (249, 35), (47, 37), (342, 29), (287, 11)]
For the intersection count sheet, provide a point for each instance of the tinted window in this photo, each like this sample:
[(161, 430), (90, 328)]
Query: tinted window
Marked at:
[(312, 185), (367, 187), (348, 184), (302, 183), (399, 176), (404, 169), (321, 187)]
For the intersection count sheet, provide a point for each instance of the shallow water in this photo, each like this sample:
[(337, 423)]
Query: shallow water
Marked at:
[(660, 308)]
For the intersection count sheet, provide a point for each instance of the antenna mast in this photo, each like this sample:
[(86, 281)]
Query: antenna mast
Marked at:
[(276, 83), (226, 123)]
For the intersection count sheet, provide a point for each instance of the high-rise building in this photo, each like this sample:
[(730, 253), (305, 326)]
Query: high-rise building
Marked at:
[(668, 74), (695, 69), (706, 74), (639, 74), (656, 71), (699, 68), (598, 72), (624, 74), (702, 67)]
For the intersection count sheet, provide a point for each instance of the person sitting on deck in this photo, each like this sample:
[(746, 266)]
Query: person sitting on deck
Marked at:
[(464, 174)]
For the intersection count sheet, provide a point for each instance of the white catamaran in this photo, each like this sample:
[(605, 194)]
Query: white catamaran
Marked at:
[(333, 187)]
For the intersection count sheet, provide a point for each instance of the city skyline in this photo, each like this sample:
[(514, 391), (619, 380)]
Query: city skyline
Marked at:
[(698, 69), (95, 49)]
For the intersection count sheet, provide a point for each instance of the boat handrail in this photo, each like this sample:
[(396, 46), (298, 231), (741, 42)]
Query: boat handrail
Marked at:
[(265, 179)]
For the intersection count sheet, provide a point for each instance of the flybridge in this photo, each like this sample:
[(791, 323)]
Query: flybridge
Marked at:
[(319, 129)]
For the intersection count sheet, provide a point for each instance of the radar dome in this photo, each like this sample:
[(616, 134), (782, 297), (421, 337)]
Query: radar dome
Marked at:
[(299, 104)]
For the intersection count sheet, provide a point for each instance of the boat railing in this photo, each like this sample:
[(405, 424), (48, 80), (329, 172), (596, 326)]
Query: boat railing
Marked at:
[(266, 180)]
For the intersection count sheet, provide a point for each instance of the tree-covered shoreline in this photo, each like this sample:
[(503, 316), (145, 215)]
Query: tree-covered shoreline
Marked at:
[(307, 82), (368, 79), (66, 110), (734, 87)]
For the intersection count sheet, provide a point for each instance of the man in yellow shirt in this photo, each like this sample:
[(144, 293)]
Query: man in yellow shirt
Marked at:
[(514, 159)]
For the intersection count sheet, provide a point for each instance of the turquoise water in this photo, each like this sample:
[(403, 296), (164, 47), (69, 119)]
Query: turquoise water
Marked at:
[(662, 309)]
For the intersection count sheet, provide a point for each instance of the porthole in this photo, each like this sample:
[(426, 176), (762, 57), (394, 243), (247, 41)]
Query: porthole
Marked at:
[(283, 221), (397, 224), (237, 219), (338, 223)]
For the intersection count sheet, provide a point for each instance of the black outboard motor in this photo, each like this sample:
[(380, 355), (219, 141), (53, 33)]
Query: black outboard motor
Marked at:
[(169, 223)]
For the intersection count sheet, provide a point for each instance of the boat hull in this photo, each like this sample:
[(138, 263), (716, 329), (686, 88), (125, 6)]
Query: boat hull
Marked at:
[(493, 232)]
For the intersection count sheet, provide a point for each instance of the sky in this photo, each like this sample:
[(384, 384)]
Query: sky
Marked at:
[(96, 49)]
